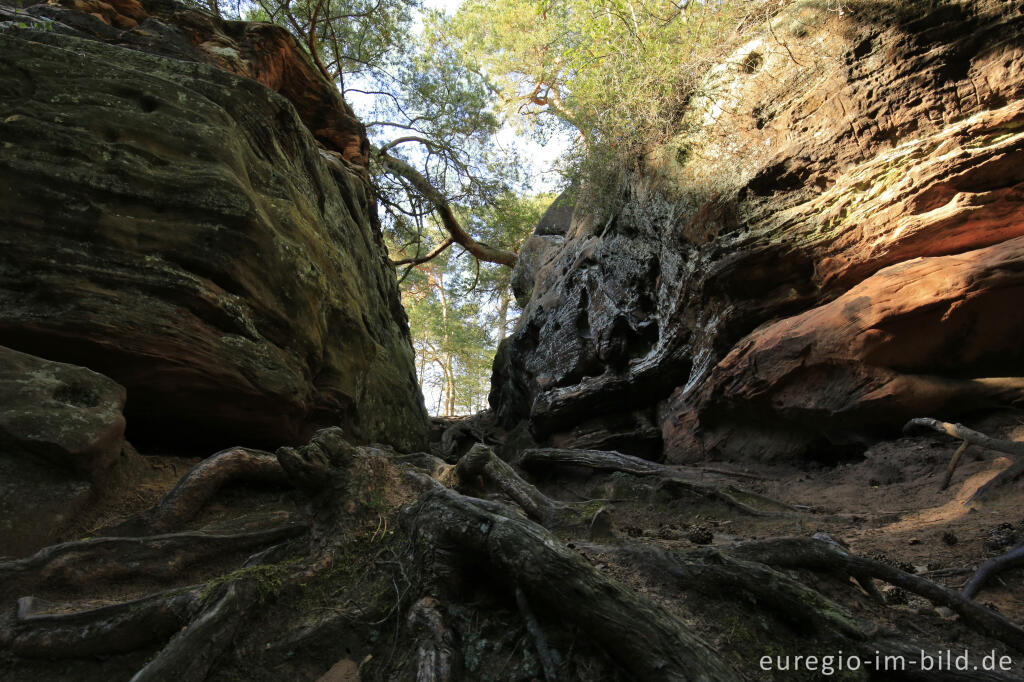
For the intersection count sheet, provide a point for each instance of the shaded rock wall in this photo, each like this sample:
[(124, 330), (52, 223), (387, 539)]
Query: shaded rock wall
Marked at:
[(175, 226), (61, 439), (831, 248)]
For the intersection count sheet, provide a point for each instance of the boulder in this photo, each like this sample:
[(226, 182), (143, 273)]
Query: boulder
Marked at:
[(68, 416), (61, 437)]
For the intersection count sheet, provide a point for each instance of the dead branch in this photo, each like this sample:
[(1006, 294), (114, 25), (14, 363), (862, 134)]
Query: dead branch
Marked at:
[(972, 437), (961, 432)]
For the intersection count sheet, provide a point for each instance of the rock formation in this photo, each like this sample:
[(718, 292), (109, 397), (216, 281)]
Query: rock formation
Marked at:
[(834, 249), (169, 220), (61, 433)]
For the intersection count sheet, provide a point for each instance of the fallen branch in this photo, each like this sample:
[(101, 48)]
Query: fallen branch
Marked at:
[(971, 436)]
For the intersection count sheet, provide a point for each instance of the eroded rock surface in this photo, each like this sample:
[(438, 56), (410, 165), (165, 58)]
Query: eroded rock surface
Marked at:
[(169, 220), (764, 278), (61, 434)]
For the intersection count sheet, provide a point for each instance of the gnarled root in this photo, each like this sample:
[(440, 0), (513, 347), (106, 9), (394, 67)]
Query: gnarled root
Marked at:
[(434, 651), (827, 556), (157, 557), (189, 656), (39, 631), (481, 463), (449, 528), (673, 479), (201, 483)]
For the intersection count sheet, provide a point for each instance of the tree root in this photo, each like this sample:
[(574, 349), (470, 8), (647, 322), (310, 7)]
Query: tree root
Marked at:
[(108, 629), (159, 557), (449, 529), (673, 479), (713, 571), (481, 462), (189, 656), (201, 483), (822, 555), (546, 656), (435, 654), (608, 460), (1012, 559)]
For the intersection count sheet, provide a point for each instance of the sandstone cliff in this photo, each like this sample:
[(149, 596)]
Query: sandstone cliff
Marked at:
[(833, 246), (184, 208)]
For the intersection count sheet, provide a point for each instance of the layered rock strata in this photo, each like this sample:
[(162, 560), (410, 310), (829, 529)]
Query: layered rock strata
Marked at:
[(183, 207), (834, 249)]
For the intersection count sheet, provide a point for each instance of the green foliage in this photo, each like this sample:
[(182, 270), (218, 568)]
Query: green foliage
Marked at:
[(620, 72), (460, 309)]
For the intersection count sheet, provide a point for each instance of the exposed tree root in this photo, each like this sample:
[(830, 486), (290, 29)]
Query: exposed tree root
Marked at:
[(448, 541), (713, 571), (450, 529), (540, 642), (481, 462), (126, 626), (608, 460), (827, 556), (158, 557), (1012, 559), (672, 479), (201, 483), (434, 651), (189, 656)]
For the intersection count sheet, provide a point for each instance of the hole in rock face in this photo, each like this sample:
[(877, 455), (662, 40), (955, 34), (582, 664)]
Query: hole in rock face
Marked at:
[(148, 104)]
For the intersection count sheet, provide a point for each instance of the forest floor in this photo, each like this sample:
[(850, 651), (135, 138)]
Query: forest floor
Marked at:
[(346, 613)]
